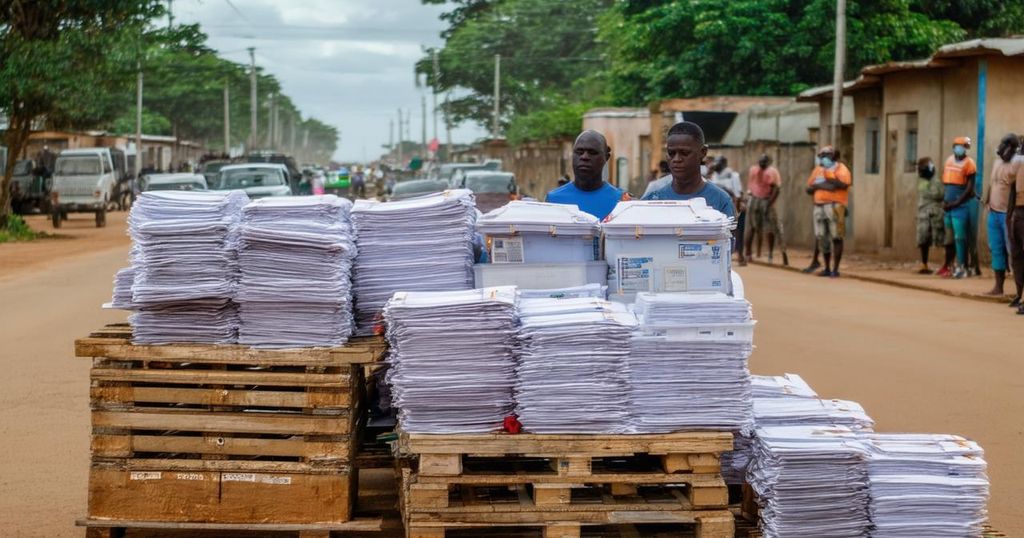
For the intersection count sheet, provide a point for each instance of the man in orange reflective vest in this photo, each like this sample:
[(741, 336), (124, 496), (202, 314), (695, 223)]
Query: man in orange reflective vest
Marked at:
[(958, 177), (829, 184)]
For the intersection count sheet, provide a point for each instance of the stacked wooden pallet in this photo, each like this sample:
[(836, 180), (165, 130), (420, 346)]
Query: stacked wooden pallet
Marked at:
[(226, 437), (561, 483)]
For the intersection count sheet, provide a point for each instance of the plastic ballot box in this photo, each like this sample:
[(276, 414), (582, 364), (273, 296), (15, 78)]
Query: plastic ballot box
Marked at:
[(539, 233)]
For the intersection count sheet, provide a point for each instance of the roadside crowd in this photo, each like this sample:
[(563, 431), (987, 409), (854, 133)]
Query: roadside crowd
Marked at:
[(948, 215)]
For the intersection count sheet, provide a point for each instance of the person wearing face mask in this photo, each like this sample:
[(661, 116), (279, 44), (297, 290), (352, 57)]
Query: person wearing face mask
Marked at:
[(930, 227), (958, 176), (997, 201), (829, 184)]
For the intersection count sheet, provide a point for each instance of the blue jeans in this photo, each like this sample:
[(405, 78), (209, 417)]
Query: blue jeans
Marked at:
[(997, 239)]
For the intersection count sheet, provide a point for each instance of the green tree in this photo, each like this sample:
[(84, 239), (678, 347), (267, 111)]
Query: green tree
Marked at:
[(549, 56), (63, 63), (754, 47)]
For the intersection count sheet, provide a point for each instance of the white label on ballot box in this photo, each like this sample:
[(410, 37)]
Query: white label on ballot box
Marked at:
[(675, 278), (635, 274), (700, 250), (507, 250)]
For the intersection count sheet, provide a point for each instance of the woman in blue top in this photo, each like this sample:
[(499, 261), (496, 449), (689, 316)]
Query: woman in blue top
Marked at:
[(685, 150)]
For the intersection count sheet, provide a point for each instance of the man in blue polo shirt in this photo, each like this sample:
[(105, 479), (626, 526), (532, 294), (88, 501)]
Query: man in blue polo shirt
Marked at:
[(588, 191), (685, 150)]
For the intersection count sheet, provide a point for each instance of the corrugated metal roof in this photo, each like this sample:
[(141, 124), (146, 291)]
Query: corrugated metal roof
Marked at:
[(1007, 46), (621, 112)]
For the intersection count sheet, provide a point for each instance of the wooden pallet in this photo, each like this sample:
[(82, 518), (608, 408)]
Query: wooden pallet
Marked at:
[(98, 528), (199, 434)]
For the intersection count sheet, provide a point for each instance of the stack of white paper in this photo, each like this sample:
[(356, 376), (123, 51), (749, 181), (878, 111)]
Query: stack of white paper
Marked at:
[(689, 384), (418, 244), (185, 266), (574, 292), (734, 463), (669, 309), (809, 411), (295, 255), (781, 386), (452, 364), (571, 375), (810, 481), (122, 298), (926, 485)]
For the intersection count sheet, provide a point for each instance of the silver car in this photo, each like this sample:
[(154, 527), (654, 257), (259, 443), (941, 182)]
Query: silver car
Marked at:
[(258, 180), (173, 182)]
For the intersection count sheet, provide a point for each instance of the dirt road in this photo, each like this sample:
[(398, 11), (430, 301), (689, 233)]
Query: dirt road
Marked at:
[(917, 361)]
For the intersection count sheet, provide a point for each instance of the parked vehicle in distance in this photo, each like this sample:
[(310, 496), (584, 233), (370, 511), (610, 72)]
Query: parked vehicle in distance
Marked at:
[(210, 169), (417, 187), (258, 180), (338, 183), (449, 171), (292, 174), (30, 188), (491, 189), (173, 182), (84, 181)]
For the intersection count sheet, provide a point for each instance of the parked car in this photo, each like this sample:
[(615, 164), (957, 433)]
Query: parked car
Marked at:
[(84, 181), (292, 174), (30, 188), (173, 182), (449, 171), (417, 187), (210, 169), (258, 180), (491, 189)]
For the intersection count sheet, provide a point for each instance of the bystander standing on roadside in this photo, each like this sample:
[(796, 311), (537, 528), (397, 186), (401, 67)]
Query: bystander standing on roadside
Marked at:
[(1015, 230), (729, 181), (931, 228), (829, 184), (997, 202), (764, 183), (958, 176)]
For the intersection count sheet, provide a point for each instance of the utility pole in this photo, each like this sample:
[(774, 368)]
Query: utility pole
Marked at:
[(227, 119), (437, 79), (305, 144), (252, 98), (170, 13), (447, 129), (423, 106), (400, 160), (291, 145), (837, 78), (138, 123), (391, 135), (497, 94)]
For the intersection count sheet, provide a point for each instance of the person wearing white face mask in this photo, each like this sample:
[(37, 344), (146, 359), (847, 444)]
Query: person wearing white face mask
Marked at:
[(930, 227), (829, 184), (958, 177)]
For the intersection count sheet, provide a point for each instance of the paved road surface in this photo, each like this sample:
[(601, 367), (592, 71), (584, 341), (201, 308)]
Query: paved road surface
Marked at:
[(917, 361)]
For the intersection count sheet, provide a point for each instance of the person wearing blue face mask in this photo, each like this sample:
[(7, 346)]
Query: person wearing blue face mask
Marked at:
[(958, 176), (829, 185)]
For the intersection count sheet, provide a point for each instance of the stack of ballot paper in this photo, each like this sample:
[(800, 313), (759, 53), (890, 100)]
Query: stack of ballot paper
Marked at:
[(452, 364), (734, 462), (185, 266), (926, 485), (587, 290), (810, 411), (572, 366), (811, 481), (122, 298), (417, 244), (669, 309), (295, 256)]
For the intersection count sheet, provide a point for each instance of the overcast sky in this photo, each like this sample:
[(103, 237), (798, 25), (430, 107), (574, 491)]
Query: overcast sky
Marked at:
[(348, 63)]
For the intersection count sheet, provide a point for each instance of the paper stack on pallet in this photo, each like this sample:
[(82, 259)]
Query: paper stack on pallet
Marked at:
[(185, 266), (926, 485), (688, 363), (572, 358), (452, 364), (418, 244), (811, 481), (295, 255)]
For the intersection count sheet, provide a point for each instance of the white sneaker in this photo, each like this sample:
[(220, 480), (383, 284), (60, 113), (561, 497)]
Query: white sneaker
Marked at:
[(959, 272)]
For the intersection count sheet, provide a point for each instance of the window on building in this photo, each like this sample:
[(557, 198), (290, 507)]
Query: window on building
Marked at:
[(622, 172), (873, 146), (910, 163)]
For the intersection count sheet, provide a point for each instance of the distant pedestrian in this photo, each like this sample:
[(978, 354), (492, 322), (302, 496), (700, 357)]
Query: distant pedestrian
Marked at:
[(829, 184), (729, 181), (656, 181), (317, 182), (997, 201), (1015, 230), (357, 183), (686, 150), (765, 184), (931, 228), (588, 190), (958, 176)]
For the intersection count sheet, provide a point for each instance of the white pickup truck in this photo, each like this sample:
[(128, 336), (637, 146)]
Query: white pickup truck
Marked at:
[(83, 182)]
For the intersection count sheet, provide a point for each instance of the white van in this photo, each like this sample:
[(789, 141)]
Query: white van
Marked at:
[(83, 182)]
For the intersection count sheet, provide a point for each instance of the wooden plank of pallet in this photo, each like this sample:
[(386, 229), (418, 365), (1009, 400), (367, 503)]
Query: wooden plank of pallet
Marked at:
[(624, 516), (359, 524), (120, 348), (486, 479), (232, 422), (564, 445), (433, 496), (125, 446), (433, 499), (220, 497), (106, 395), (178, 464), (222, 377)]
